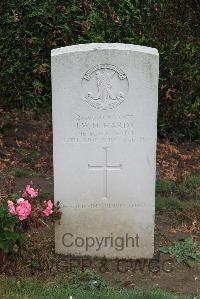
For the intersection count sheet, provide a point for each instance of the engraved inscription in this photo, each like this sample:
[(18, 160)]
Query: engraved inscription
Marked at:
[(104, 129), (105, 86), (106, 205)]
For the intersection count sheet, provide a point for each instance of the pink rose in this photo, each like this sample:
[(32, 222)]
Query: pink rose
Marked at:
[(23, 208), (20, 200), (48, 211), (30, 191), (11, 207), (24, 194)]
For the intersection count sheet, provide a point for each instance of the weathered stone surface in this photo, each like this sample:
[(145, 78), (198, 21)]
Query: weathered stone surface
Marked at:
[(104, 125)]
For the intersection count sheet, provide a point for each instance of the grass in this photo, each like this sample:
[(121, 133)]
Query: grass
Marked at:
[(27, 152), (166, 186), (28, 155), (10, 288), (172, 203), (178, 196), (168, 203), (188, 184), (28, 173)]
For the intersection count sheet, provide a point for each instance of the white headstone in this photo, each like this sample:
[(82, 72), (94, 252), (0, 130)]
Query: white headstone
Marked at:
[(104, 131)]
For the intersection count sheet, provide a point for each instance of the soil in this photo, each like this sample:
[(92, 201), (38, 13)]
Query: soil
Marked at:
[(26, 144)]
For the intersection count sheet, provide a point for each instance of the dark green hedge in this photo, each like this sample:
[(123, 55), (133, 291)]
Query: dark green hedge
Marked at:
[(31, 28)]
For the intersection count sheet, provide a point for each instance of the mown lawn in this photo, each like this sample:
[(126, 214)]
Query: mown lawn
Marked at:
[(10, 288)]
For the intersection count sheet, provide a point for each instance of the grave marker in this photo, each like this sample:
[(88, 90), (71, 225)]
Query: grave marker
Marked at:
[(104, 131)]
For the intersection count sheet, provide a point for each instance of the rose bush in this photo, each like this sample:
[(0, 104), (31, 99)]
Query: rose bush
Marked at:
[(21, 212)]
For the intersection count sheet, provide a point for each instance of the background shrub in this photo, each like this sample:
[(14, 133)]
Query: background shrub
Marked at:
[(31, 28)]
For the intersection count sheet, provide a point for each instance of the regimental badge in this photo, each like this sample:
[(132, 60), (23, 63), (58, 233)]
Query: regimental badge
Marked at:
[(105, 86)]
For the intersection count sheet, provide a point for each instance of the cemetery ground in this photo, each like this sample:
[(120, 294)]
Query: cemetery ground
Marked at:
[(35, 270)]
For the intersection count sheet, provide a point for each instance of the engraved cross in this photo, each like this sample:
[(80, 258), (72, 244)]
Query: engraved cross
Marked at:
[(105, 167)]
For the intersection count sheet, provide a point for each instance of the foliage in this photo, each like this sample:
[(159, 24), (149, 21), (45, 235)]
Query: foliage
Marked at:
[(31, 28), (184, 251), (9, 235), (87, 280)]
